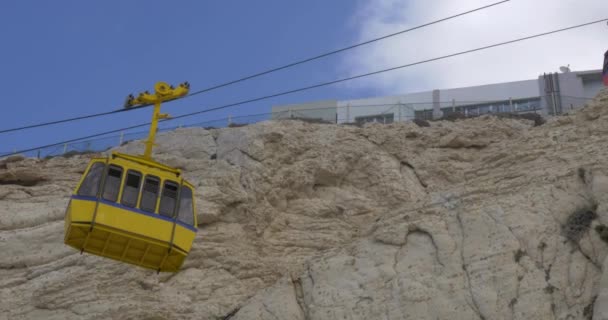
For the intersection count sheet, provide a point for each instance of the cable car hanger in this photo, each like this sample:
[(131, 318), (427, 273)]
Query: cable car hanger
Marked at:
[(163, 92), (131, 208)]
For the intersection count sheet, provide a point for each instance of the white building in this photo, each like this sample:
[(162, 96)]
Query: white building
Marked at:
[(550, 94), (319, 110)]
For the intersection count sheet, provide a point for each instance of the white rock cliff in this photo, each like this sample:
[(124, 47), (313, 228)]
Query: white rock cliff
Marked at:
[(486, 218)]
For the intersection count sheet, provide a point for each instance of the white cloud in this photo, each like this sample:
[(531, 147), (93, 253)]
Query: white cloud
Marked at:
[(583, 48)]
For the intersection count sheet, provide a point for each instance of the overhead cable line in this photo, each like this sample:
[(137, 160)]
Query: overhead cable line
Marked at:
[(387, 70), (259, 74), (76, 139), (329, 82), (43, 124), (323, 55)]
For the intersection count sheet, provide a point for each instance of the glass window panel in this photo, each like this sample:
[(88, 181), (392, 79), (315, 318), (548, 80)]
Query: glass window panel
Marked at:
[(535, 104), (149, 194), (112, 184), (90, 184), (381, 118), (130, 191), (186, 211), (168, 200)]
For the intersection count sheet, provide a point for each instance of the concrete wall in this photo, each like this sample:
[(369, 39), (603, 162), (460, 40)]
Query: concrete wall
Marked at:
[(325, 110), (566, 91), (592, 83), (492, 92), (592, 88), (349, 110), (570, 88)]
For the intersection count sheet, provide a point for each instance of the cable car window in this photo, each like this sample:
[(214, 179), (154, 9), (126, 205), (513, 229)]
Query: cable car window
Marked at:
[(90, 184), (112, 187), (186, 214), (168, 200), (149, 194), (130, 191)]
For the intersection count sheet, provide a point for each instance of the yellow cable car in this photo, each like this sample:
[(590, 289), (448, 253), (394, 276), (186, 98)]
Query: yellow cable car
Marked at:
[(132, 208)]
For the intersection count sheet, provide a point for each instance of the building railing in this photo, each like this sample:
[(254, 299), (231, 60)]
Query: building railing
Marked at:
[(345, 115)]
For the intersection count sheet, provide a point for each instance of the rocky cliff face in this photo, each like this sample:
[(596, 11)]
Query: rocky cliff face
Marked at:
[(486, 218)]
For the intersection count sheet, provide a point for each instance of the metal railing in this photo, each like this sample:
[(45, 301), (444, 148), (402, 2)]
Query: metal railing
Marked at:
[(356, 114)]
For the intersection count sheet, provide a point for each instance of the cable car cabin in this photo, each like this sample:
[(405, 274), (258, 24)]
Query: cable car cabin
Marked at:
[(132, 209)]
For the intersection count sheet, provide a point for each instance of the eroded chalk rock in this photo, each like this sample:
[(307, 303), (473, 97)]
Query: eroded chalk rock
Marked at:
[(471, 219)]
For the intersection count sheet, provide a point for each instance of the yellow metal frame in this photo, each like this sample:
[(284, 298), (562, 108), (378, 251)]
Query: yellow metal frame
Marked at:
[(162, 92), (130, 235), (127, 234), (144, 166)]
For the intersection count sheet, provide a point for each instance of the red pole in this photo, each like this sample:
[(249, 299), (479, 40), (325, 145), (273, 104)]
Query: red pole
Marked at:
[(605, 71)]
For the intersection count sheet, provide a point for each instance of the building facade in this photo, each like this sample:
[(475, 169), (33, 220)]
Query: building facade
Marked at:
[(550, 94), (319, 110)]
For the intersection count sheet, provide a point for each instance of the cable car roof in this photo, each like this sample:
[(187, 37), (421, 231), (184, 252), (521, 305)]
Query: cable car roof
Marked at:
[(147, 162)]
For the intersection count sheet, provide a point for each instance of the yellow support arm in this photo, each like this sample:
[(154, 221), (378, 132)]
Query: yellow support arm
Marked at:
[(162, 92)]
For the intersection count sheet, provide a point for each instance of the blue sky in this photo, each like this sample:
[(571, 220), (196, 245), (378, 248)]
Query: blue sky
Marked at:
[(67, 58), (62, 59), (582, 49)]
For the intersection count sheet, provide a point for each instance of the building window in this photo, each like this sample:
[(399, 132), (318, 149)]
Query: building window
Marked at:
[(526, 105), (506, 106), (149, 194), (90, 184), (380, 118), (485, 109), (112, 184), (168, 199), (472, 111), (535, 104), (130, 191), (423, 114)]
